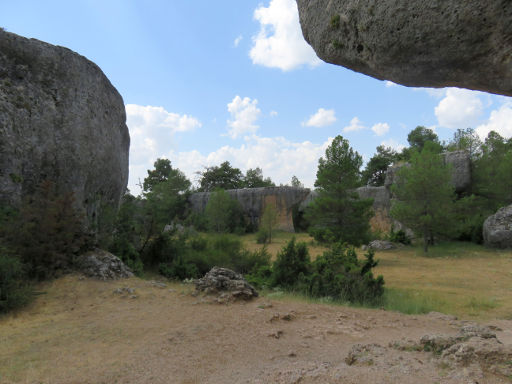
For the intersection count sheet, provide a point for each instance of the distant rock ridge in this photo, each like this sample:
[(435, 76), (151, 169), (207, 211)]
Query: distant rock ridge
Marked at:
[(254, 200), (437, 43), (61, 120)]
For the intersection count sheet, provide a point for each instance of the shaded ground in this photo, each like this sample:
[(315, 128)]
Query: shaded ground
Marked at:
[(83, 331)]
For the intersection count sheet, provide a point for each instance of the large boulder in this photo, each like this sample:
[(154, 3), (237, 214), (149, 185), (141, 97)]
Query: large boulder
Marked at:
[(497, 230), (438, 43), (225, 281), (61, 120), (103, 265)]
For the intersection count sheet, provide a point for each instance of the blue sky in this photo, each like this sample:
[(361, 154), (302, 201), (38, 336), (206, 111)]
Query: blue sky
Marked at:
[(204, 82)]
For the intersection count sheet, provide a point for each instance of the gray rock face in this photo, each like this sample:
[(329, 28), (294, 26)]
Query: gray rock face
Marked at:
[(497, 230), (223, 280), (438, 43), (60, 120), (460, 163), (380, 195), (102, 265), (254, 200)]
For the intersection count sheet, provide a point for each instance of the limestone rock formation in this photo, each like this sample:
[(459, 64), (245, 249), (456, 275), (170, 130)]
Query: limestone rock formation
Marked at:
[(102, 265), (439, 43), (497, 230), (223, 280), (254, 201), (60, 120), (460, 164)]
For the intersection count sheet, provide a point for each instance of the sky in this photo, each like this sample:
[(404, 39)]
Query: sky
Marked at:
[(206, 81)]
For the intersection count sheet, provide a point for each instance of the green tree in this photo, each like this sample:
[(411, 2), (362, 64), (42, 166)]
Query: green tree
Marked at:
[(375, 172), (296, 182), (223, 213), (466, 140), (292, 265), (254, 179), (425, 195), (223, 176), (421, 135), (164, 200), (337, 213), (268, 221), (492, 171)]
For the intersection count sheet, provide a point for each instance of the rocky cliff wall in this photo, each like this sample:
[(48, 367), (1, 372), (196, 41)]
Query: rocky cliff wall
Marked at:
[(437, 43), (254, 200), (60, 120)]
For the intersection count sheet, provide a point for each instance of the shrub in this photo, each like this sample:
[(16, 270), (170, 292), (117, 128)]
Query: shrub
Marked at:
[(198, 255), (49, 232), (128, 254), (292, 265), (340, 275), (262, 237), (399, 237), (14, 290)]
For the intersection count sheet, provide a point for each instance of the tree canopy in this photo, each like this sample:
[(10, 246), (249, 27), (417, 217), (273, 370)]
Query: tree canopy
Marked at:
[(224, 176), (254, 179), (424, 195), (337, 214), (375, 172)]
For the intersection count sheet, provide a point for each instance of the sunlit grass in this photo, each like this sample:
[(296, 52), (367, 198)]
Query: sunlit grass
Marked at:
[(464, 279)]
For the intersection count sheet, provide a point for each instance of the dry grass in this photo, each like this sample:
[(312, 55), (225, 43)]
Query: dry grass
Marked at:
[(462, 279)]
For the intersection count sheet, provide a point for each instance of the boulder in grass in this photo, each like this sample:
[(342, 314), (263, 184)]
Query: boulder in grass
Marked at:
[(102, 265), (225, 281), (497, 229)]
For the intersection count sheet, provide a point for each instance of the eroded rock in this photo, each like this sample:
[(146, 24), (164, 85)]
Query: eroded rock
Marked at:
[(254, 200), (497, 229), (103, 265), (225, 282), (421, 43), (61, 120)]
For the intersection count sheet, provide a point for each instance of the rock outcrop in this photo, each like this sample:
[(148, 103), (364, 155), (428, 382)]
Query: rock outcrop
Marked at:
[(61, 120), (225, 281), (440, 43), (254, 200), (497, 229), (102, 265), (460, 164)]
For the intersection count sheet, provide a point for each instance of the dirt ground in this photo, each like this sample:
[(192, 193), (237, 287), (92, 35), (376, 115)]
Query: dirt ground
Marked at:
[(87, 331)]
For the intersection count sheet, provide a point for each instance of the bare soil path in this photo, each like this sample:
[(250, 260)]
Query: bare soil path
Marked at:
[(82, 331)]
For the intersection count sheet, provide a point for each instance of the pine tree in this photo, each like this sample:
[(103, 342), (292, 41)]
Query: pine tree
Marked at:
[(337, 214), (425, 196)]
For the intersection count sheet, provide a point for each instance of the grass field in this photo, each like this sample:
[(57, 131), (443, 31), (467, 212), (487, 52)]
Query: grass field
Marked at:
[(463, 279)]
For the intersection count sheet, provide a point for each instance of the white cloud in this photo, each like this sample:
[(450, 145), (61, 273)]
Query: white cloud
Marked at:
[(279, 43), (460, 108), (321, 118), (244, 113), (237, 40), (392, 143), (273, 113), (278, 157), (390, 84), (499, 121), (380, 129), (355, 125), (151, 130)]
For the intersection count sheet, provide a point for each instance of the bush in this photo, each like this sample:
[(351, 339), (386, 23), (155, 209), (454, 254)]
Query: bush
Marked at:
[(340, 275), (292, 265), (196, 256), (399, 237), (14, 290), (128, 254), (49, 232), (262, 237)]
